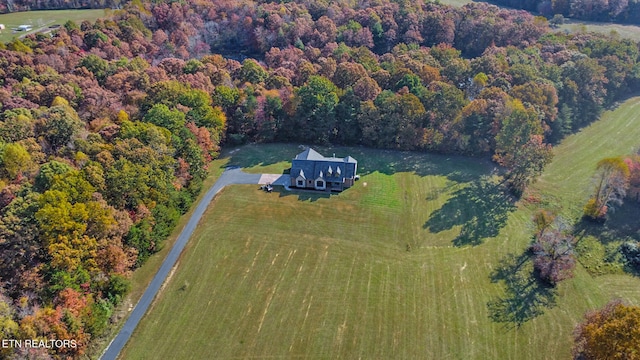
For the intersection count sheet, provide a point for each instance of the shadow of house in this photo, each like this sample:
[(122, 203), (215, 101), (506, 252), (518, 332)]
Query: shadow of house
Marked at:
[(482, 208), (305, 195)]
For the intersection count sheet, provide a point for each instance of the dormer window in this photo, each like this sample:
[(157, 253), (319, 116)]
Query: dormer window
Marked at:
[(338, 171), (330, 171)]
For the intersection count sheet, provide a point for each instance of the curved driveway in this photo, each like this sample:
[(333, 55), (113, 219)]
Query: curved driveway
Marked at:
[(228, 177)]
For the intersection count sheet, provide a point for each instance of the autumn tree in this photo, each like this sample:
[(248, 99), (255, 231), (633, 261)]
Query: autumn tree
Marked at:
[(18, 125), (60, 123), (611, 182), (14, 159), (252, 72), (161, 115), (317, 101), (8, 327), (609, 333), (520, 146), (553, 256)]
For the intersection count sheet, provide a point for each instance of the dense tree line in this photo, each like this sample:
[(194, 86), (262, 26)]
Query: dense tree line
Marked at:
[(100, 153), (620, 11), (106, 129)]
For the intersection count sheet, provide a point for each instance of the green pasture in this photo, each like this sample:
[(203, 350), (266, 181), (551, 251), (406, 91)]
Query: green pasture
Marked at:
[(422, 258), (42, 19)]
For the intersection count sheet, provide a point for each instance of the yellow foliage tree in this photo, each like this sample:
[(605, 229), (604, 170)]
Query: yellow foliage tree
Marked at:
[(612, 180), (612, 332), (15, 159)]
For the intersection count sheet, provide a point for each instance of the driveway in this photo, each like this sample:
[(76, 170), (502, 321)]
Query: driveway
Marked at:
[(231, 175)]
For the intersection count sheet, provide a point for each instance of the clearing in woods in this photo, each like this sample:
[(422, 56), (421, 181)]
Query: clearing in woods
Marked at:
[(423, 262), (43, 19)]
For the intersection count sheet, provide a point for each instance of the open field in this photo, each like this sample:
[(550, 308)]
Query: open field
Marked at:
[(44, 18), (456, 2), (625, 31), (382, 270), (567, 180)]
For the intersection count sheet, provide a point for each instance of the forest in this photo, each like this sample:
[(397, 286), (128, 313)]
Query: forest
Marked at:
[(107, 129)]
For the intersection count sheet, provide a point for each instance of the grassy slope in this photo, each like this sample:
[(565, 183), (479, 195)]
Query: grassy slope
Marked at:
[(567, 179), (288, 275), (44, 18)]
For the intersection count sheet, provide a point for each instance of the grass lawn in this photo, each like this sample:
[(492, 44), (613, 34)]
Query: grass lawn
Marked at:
[(422, 258), (44, 18)]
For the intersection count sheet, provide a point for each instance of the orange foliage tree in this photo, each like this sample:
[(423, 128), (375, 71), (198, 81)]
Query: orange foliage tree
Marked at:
[(609, 333)]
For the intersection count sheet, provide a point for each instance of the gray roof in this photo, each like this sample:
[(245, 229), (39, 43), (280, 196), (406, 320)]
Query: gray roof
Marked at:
[(311, 165), (309, 154), (349, 159)]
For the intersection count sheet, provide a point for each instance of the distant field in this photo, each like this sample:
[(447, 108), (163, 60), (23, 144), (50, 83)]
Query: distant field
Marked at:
[(456, 2), (44, 18), (571, 26), (382, 270), (625, 31)]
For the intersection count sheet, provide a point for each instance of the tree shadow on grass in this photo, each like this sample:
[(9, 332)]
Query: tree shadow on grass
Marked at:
[(525, 296), (621, 229), (251, 155), (482, 208), (621, 224)]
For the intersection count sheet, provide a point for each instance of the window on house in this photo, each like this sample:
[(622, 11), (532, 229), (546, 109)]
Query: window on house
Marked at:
[(300, 182)]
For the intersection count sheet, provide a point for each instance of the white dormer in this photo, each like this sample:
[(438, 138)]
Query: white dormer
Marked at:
[(338, 171), (330, 171), (321, 175)]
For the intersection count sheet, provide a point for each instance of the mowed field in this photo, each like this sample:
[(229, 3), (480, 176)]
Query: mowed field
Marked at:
[(419, 260), (44, 19)]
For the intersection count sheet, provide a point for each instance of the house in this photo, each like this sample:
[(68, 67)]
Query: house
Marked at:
[(25, 28), (310, 170)]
